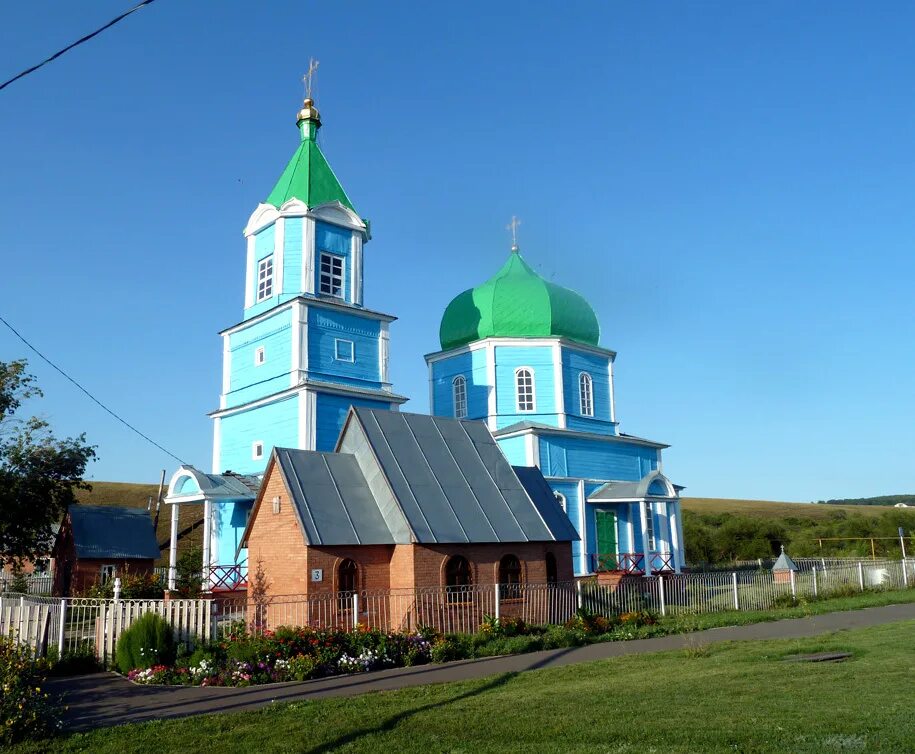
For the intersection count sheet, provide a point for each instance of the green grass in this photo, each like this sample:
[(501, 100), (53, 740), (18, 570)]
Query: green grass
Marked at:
[(773, 509), (725, 698)]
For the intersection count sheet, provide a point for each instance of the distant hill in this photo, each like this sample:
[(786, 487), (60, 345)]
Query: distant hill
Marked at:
[(882, 500), (190, 517), (773, 509)]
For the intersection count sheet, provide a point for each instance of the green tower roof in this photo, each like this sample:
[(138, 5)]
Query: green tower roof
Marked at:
[(517, 303), (308, 177)]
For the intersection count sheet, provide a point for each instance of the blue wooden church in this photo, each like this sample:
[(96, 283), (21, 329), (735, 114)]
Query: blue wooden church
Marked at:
[(518, 352)]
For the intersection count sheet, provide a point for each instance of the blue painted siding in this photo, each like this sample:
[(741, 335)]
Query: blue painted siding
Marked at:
[(538, 358), (264, 243), (624, 514), (229, 521), (573, 507), (331, 411), (472, 365), (593, 459), (515, 450), (275, 424), (325, 326), (292, 258), (338, 242), (248, 381), (575, 362)]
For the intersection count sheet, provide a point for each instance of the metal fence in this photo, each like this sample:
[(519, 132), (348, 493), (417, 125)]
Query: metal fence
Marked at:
[(83, 625), (37, 584)]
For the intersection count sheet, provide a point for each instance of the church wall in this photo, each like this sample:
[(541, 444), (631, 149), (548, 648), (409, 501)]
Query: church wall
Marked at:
[(583, 458), (249, 381), (325, 327), (515, 449), (264, 245), (573, 364), (229, 521), (569, 490), (470, 364), (292, 258), (275, 424), (339, 242), (538, 358), (331, 413)]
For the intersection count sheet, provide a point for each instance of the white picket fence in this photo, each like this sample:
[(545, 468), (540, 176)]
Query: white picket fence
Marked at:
[(37, 584), (75, 624)]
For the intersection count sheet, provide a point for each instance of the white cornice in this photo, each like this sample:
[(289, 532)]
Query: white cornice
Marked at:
[(521, 342), (331, 212), (309, 301)]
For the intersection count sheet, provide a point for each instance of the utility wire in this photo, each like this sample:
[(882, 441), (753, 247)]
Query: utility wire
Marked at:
[(77, 43), (92, 397)]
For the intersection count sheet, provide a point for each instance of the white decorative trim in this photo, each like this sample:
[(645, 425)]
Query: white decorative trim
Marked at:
[(321, 303), (431, 391), (249, 273), (529, 452), (304, 361), (356, 281), (331, 212), (321, 387), (384, 355), (337, 357), (558, 392), (311, 405), (462, 381), (630, 514), (612, 393), (582, 529), (293, 208), (492, 387), (279, 255), (226, 370), (564, 342), (295, 362), (533, 374), (308, 255), (303, 420), (263, 215), (338, 214), (581, 394), (217, 444)]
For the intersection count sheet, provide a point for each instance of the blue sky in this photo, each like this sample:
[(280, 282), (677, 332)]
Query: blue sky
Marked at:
[(729, 184)]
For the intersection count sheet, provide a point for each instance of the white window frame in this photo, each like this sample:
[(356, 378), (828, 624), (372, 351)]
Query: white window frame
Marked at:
[(533, 392), (107, 571), (352, 350), (586, 394), (459, 396), (260, 356), (649, 529), (333, 277), (257, 450), (264, 281)]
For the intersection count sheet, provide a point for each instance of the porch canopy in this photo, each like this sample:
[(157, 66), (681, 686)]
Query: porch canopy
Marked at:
[(653, 485)]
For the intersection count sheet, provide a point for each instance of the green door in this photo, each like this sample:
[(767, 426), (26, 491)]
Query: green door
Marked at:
[(605, 524)]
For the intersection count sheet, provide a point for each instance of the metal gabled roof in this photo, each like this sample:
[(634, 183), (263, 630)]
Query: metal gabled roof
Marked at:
[(189, 484), (612, 491), (332, 499), (543, 497), (451, 480), (784, 562), (103, 531)]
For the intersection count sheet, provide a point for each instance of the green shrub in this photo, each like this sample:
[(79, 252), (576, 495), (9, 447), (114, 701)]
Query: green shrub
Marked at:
[(785, 600), (149, 641), (77, 661), (19, 583), (26, 712), (303, 667)]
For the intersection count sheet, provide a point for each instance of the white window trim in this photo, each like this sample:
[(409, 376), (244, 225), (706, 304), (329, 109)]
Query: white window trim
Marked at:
[(585, 378), (650, 533), (462, 405), (260, 356), (268, 287), (107, 571), (257, 450), (342, 259), (533, 409), (352, 350)]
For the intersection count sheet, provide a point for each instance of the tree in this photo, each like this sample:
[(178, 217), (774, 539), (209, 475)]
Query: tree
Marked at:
[(39, 474)]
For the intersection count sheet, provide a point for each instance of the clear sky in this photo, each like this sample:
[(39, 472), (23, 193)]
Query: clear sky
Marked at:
[(729, 184)]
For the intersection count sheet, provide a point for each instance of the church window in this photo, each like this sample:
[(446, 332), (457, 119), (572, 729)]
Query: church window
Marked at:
[(586, 394), (344, 350), (561, 499), (259, 356), (331, 279), (510, 577), (459, 393), (265, 278), (458, 577), (257, 450), (524, 390), (649, 527)]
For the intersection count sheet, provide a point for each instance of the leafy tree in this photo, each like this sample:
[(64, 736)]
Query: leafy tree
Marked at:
[(39, 474)]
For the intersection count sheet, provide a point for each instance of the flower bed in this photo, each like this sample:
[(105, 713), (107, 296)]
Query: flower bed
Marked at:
[(300, 654)]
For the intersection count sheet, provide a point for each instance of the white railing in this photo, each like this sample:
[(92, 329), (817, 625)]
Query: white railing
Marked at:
[(79, 624)]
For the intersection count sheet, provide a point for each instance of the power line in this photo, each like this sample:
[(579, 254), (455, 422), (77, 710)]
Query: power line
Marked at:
[(92, 397), (77, 43)]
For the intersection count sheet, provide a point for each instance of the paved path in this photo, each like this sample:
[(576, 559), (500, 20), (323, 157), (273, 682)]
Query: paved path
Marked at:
[(103, 699)]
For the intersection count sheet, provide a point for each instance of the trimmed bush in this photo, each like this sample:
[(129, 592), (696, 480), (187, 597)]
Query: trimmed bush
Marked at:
[(149, 641), (26, 712)]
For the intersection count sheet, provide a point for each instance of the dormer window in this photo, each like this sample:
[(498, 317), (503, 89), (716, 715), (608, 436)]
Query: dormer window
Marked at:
[(265, 278), (331, 278)]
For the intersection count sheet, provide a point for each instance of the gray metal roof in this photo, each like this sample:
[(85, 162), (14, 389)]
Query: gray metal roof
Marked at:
[(189, 484), (784, 562), (525, 425), (451, 480), (332, 499), (102, 531), (612, 491), (543, 497)]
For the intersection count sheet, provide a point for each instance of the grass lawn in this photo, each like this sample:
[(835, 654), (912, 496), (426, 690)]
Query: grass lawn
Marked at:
[(731, 697)]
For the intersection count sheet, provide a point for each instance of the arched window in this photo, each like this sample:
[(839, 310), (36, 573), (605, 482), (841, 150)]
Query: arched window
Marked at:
[(524, 390), (458, 577), (510, 577), (561, 499), (586, 394), (347, 573), (459, 394), (552, 572)]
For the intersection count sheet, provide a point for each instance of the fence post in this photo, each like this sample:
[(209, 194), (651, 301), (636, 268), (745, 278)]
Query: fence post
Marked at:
[(736, 597), (816, 586), (497, 590), (861, 575), (793, 584), (355, 610), (21, 615), (661, 595), (61, 629), (578, 593)]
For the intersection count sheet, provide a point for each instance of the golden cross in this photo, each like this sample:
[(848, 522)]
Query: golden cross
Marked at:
[(513, 227), (309, 76)]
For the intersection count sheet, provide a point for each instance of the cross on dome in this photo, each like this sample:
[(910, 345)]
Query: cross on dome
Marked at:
[(513, 227), (308, 78)]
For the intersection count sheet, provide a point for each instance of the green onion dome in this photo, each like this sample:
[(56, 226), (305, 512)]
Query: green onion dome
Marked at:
[(517, 303)]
